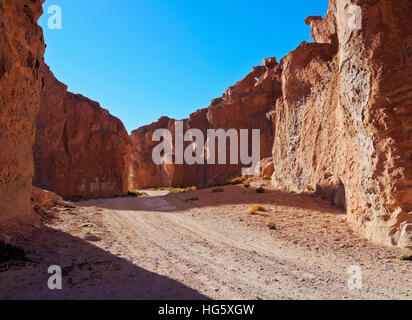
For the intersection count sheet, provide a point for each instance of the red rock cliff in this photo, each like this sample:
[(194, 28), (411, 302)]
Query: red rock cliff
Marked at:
[(341, 115), (243, 106), (81, 151), (343, 123), (21, 55)]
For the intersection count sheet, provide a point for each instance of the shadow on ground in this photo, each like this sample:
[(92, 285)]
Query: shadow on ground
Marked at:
[(88, 273)]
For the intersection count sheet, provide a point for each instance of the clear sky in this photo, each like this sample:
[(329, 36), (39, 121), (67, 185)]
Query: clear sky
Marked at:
[(142, 59)]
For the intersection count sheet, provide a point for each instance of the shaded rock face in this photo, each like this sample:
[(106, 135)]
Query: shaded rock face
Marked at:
[(344, 121), (21, 55), (81, 151), (243, 106)]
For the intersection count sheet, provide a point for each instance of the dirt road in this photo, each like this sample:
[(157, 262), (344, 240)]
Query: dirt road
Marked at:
[(172, 246)]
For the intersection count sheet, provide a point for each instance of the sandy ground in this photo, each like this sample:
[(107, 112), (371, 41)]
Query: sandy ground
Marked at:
[(165, 247)]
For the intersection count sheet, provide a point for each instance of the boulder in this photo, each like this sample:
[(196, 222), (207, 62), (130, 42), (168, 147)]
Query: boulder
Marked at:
[(266, 167), (43, 198)]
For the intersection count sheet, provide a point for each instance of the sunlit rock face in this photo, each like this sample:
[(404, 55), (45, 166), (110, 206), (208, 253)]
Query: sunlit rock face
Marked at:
[(21, 55), (340, 112), (81, 151), (243, 106), (343, 124)]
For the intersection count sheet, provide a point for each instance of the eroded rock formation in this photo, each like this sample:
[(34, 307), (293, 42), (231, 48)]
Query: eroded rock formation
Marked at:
[(341, 111), (335, 115), (21, 55), (81, 151), (343, 124), (243, 106)]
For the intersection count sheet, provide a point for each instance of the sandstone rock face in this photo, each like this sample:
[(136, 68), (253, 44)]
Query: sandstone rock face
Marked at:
[(81, 151), (243, 106), (343, 123), (21, 55), (143, 172), (341, 112)]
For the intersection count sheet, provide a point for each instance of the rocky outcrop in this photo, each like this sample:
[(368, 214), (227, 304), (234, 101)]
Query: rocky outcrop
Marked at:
[(243, 106), (266, 168), (43, 198), (341, 115), (335, 116), (81, 151), (343, 123), (21, 55), (143, 172)]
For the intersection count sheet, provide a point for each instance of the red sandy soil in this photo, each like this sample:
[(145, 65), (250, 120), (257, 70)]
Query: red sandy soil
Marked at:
[(164, 247)]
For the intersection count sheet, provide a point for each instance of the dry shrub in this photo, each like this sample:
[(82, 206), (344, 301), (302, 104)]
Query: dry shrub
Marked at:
[(260, 190), (178, 190), (256, 209), (135, 193), (309, 188), (237, 180)]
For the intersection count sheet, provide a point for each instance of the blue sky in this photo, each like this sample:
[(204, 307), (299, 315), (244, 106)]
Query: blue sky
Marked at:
[(142, 59)]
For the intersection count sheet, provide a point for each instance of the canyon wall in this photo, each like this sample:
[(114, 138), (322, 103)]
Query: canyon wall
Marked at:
[(344, 121), (81, 151), (21, 55), (243, 106), (335, 116), (341, 119)]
